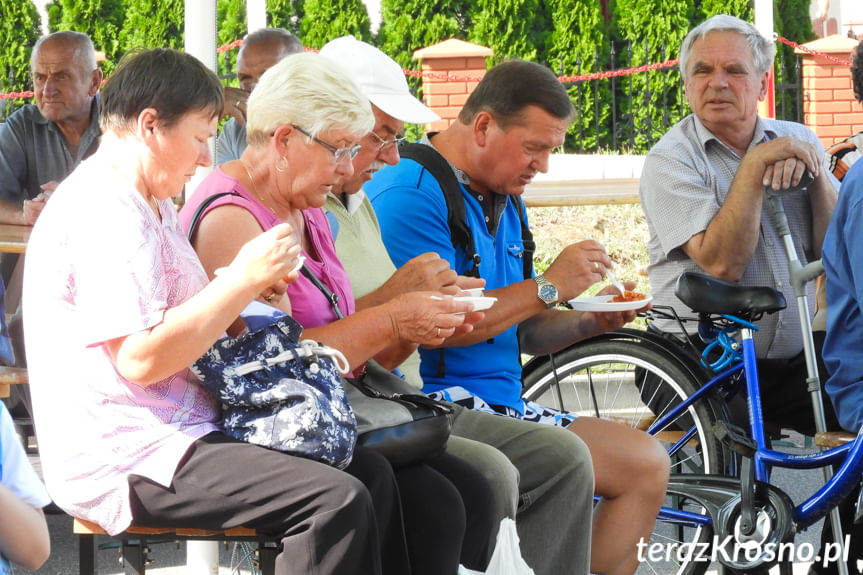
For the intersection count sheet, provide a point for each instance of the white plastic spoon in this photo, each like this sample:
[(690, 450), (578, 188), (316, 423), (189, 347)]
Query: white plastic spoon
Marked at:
[(610, 275)]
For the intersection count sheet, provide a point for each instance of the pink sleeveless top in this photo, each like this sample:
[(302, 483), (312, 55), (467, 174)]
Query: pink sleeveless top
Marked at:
[(309, 306)]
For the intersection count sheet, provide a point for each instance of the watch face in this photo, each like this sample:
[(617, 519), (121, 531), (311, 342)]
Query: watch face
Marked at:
[(548, 293)]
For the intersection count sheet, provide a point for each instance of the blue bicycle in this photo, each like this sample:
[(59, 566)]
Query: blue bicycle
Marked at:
[(720, 506)]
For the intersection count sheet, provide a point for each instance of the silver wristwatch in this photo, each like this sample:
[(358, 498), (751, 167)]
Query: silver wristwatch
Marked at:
[(546, 291)]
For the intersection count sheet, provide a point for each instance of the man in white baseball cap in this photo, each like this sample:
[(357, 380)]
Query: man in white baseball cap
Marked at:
[(553, 498), (382, 81), (358, 240)]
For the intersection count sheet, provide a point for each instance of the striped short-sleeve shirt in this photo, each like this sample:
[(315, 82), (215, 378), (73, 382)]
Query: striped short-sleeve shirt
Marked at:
[(685, 180)]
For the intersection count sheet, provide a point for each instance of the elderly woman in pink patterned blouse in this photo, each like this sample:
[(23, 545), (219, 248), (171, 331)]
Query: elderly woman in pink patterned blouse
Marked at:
[(118, 306)]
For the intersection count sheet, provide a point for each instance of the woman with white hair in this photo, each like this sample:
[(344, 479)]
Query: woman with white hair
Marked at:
[(305, 119)]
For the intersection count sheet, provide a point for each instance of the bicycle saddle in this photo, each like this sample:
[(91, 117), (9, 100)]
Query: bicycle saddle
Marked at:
[(705, 294)]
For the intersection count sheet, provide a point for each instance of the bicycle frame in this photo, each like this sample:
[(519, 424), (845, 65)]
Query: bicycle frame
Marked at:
[(817, 505), (837, 485)]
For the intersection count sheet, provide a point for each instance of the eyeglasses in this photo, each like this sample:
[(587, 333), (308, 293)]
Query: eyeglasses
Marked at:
[(339, 154), (387, 143)]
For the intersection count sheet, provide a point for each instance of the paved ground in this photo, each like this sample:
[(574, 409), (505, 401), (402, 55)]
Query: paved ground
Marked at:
[(167, 558)]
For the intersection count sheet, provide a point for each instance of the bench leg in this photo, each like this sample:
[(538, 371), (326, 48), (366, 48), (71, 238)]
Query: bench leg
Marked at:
[(86, 555), (135, 556), (267, 558)]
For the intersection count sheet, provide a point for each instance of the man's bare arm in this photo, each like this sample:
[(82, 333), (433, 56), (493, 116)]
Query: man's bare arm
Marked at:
[(724, 249)]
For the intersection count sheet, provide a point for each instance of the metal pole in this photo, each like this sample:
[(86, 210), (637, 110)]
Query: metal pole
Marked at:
[(200, 32), (202, 557), (256, 14), (764, 23), (800, 276)]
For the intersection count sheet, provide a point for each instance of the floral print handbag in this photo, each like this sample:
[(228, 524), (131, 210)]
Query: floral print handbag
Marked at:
[(282, 393)]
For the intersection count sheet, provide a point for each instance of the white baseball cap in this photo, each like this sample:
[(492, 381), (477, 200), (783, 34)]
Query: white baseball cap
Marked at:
[(380, 79)]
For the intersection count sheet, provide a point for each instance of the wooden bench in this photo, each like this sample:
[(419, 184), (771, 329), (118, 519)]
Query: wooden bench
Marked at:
[(11, 376), (834, 438), (644, 422), (134, 540)]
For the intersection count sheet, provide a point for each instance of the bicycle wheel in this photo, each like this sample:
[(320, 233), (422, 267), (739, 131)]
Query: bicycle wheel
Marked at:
[(634, 382)]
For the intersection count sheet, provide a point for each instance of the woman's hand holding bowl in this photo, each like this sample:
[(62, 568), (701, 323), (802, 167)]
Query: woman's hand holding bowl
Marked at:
[(269, 262)]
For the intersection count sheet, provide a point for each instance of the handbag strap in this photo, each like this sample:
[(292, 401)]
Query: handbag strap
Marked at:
[(199, 211), (333, 298), (379, 382), (305, 348)]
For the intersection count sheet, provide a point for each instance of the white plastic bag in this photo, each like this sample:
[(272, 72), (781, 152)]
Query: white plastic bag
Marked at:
[(506, 559)]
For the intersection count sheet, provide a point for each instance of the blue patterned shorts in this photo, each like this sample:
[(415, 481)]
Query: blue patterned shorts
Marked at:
[(532, 411)]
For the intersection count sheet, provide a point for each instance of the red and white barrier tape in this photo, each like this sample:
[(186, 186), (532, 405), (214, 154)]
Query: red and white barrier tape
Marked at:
[(579, 78)]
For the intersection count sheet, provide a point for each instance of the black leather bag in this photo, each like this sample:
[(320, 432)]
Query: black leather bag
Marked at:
[(395, 419)]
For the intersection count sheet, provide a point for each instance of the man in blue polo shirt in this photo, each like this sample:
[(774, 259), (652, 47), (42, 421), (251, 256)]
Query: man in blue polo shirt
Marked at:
[(842, 257), (503, 136)]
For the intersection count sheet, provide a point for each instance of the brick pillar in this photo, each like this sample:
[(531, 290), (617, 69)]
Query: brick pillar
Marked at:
[(451, 70), (829, 106)]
